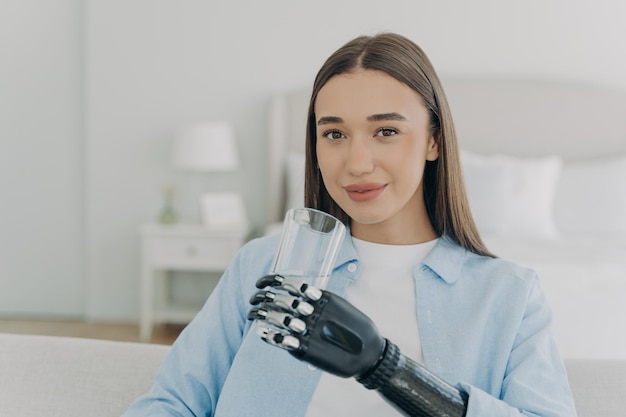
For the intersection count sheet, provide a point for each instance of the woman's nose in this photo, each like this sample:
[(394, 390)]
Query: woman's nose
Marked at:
[(360, 157)]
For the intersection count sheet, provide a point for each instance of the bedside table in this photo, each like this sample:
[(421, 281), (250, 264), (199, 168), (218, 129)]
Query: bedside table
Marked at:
[(180, 247)]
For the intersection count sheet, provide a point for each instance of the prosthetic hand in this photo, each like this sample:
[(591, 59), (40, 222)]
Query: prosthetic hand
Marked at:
[(328, 332)]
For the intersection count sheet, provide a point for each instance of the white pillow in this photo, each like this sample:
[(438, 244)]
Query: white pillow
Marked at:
[(512, 196), (591, 197), (295, 179)]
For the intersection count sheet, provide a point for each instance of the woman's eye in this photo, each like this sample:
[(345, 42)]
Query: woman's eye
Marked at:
[(386, 132), (333, 134)]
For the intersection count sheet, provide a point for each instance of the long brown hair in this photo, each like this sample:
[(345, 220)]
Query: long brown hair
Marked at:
[(444, 191)]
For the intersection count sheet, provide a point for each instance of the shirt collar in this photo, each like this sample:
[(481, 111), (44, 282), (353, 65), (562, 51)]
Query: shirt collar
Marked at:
[(446, 259), (347, 252)]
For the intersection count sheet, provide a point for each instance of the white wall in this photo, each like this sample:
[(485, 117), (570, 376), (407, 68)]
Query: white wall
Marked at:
[(41, 187), (153, 66)]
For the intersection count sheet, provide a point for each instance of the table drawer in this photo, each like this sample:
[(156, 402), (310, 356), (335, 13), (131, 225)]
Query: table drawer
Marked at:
[(214, 251)]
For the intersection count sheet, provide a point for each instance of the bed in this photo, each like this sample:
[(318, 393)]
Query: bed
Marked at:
[(545, 167)]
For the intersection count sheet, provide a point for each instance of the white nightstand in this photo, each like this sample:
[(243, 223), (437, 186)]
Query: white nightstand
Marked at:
[(167, 248)]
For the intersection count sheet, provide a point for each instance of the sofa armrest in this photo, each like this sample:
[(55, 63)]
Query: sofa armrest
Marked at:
[(62, 376)]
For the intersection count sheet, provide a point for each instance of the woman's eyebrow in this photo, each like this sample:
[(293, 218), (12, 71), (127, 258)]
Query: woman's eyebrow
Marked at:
[(328, 120), (373, 118), (386, 116)]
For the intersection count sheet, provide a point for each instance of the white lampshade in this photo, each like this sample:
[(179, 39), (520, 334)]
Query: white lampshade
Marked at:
[(206, 147)]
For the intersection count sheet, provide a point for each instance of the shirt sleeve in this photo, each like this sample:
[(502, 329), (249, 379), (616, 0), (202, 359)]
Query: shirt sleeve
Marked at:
[(536, 382)]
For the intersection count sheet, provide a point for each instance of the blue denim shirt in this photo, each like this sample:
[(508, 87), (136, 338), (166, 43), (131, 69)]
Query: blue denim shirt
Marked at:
[(484, 324)]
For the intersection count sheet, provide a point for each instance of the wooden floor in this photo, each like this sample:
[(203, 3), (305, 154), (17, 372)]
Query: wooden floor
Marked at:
[(161, 333)]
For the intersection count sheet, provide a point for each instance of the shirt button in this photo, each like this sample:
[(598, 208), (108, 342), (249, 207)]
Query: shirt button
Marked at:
[(352, 267)]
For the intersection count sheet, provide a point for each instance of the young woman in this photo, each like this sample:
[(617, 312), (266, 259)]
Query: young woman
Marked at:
[(464, 333)]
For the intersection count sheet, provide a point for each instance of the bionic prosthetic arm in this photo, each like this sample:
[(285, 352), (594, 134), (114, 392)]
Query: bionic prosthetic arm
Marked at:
[(326, 331)]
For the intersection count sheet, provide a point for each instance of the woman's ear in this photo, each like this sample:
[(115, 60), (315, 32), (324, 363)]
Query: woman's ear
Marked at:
[(433, 149)]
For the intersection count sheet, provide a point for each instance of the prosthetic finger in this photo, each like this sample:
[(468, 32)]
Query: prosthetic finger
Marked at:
[(279, 319), (293, 286), (289, 303), (274, 337)]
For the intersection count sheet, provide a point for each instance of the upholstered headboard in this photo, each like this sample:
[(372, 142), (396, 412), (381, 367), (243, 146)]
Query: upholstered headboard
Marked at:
[(521, 117), (537, 117)]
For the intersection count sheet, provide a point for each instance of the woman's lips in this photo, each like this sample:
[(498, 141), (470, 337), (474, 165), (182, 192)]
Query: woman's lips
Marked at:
[(364, 192)]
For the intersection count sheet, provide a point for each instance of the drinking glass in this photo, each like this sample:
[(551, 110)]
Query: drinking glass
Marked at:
[(308, 247)]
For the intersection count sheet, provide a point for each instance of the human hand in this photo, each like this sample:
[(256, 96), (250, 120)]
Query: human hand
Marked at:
[(316, 326)]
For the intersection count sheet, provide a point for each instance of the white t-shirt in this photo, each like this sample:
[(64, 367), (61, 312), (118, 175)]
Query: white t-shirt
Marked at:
[(385, 292)]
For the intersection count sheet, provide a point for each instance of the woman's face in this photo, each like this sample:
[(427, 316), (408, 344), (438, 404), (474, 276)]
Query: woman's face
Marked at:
[(373, 142)]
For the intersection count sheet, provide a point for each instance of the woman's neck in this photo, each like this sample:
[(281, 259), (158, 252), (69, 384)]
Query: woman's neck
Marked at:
[(395, 232)]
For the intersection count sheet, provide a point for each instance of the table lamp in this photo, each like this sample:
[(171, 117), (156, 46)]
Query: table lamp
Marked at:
[(211, 147)]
